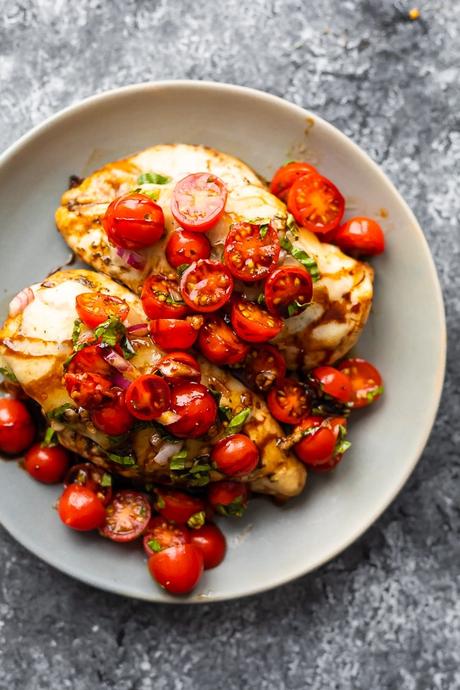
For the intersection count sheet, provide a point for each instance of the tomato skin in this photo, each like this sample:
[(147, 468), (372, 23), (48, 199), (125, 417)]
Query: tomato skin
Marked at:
[(134, 221), (177, 569), (333, 382), (198, 201), (252, 323), (228, 498), (165, 533), (284, 177), (288, 290), (328, 465), (47, 464), (171, 334), (235, 455), (147, 397), (127, 516), (88, 390), (316, 204), (186, 247), (94, 308), (248, 255), (89, 360), (177, 506), (80, 509), (211, 541), (361, 235), (179, 366), (17, 430), (265, 366), (89, 475), (219, 344), (113, 418), (161, 298), (206, 285), (288, 402), (366, 381), (196, 408), (317, 448)]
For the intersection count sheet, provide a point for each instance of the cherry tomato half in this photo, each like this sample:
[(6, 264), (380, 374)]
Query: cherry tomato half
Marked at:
[(198, 201), (219, 344), (366, 382), (288, 290), (89, 360), (318, 445), (288, 402), (47, 464), (94, 308), (127, 516), (206, 285), (316, 203), (185, 247), (196, 408), (113, 418), (210, 540), (328, 465), (361, 235), (80, 508), (161, 534), (17, 430), (177, 569), (179, 366), (252, 322), (148, 397), (228, 498), (161, 298), (251, 251), (333, 382), (177, 506), (264, 367), (94, 478), (88, 390), (235, 455), (171, 334), (284, 177), (134, 221)]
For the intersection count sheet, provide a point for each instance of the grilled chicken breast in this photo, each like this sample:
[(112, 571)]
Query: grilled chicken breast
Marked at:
[(342, 297), (35, 344)]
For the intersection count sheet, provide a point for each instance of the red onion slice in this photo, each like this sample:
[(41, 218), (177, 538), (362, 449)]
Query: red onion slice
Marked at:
[(119, 363), (131, 258), (166, 451), (20, 302), (120, 381), (139, 329)]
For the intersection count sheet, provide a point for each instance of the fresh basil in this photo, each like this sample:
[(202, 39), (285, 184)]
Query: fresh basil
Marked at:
[(197, 520), (8, 374), (261, 299), (58, 412), (302, 257), (371, 395), (126, 346), (76, 332), (234, 509), (263, 229), (178, 461), (239, 419), (110, 331), (182, 268), (49, 438), (125, 460), (296, 307), (106, 480), (154, 544), (153, 178)]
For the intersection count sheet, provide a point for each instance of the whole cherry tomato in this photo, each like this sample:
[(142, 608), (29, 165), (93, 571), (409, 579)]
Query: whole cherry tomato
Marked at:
[(94, 308), (284, 177), (134, 221), (318, 444), (196, 408), (210, 540), (80, 508), (113, 418), (127, 516), (316, 203), (93, 477), (185, 247), (235, 455), (177, 569), (17, 430), (198, 201), (219, 344), (361, 235), (47, 464), (333, 382)]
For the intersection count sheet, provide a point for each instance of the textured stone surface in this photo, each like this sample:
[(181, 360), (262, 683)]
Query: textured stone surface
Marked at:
[(384, 615)]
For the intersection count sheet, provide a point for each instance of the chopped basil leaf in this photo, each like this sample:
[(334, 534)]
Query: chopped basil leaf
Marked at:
[(159, 503), (296, 307), (49, 438), (263, 230), (110, 331), (154, 194), (58, 412), (291, 224), (196, 469), (239, 419), (197, 520), (299, 254), (170, 300), (259, 221), (371, 395), (178, 461), (106, 480), (77, 326), (341, 447), (234, 509), (118, 440), (125, 460), (154, 544), (153, 178), (8, 374), (260, 298), (183, 267), (126, 346)]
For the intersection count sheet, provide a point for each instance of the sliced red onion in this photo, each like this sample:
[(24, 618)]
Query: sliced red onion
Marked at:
[(132, 258), (120, 381), (166, 451), (139, 329), (20, 302), (121, 364)]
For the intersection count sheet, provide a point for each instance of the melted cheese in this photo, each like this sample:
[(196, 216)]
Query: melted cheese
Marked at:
[(52, 314)]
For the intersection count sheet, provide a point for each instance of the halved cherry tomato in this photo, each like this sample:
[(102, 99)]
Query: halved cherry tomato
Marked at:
[(170, 334), (17, 430), (198, 201), (88, 390), (179, 366), (210, 540), (333, 382), (366, 382), (318, 445), (361, 235), (185, 247), (89, 360), (288, 290), (219, 344), (206, 285), (93, 477), (177, 506), (47, 464), (161, 298), (235, 455), (251, 251), (284, 177), (328, 465), (94, 308), (177, 569), (127, 516), (196, 408), (288, 402), (147, 397), (316, 203), (228, 498), (113, 418), (252, 322), (264, 366), (134, 221), (161, 534), (80, 508)]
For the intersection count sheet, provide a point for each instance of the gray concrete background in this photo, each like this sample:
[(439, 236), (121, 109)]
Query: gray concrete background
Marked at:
[(384, 615)]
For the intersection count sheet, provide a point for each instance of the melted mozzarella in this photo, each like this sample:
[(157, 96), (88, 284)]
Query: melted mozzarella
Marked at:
[(52, 314)]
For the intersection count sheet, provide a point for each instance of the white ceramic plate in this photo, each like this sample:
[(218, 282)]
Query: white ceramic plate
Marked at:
[(405, 336)]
